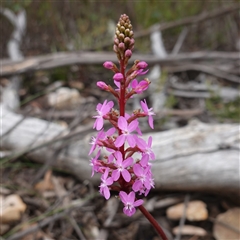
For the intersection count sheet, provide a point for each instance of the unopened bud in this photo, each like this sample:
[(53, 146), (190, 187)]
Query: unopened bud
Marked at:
[(142, 65), (108, 65), (118, 77), (102, 85), (128, 53)]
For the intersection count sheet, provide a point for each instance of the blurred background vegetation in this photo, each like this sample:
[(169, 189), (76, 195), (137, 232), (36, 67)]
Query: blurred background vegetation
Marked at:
[(66, 25), (81, 25)]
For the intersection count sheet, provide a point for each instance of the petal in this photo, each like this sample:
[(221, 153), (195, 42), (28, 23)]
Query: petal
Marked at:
[(92, 149), (137, 169), (126, 175), (147, 184), (127, 162), (119, 158), (106, 193), (150, 121), (129, 212), (131, 140), (122, 123), (141, 143), (110, 158), (131, 197), (144, 106), (115, 175), (123, 196), (110, 131), (137, 185), (138, 203), (134, 83), (144, 160), (99, 123), (109, 181), (110, 104), (120, 140), (105, 175), (99, 106), (132, 125)]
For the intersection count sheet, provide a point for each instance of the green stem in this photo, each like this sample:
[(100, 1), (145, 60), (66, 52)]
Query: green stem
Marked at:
[(153, 222)]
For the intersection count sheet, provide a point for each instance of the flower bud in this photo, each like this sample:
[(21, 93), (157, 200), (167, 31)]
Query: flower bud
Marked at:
[(121, 46), (102, 85), (118, 77), (108, 65), (142, 65), (128, 53)]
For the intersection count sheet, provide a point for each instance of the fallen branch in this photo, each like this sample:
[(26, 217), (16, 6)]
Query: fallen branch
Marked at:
[(207, 69), (55, 60), (201, 90), (189, 158)]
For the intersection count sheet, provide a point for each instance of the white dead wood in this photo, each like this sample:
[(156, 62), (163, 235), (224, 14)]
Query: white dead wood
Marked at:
[(201, 90), (10, 95), (54, 60), (158, 96), (198, 157)]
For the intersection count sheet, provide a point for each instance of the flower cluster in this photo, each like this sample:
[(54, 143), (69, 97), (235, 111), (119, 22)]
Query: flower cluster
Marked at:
[(126, 164)]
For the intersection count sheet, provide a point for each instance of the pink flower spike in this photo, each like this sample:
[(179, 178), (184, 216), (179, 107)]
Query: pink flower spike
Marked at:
[(118, 77), (126, 132), (121, 167), (108, 65), (102, 110), (129, 202), (148, 111), (106, 181)]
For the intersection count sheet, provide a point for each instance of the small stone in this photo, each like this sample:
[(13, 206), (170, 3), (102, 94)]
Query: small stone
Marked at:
[(196, 211)]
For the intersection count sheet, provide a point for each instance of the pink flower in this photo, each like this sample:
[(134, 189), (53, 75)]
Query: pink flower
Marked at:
[(143, 178), (146, 148), (101, 136), (102, 110), (148, 112), (126, 132), (138, 130), (121, 167), (118, 77), (139, 87), (106, 181), (129, 202), (95, 163)]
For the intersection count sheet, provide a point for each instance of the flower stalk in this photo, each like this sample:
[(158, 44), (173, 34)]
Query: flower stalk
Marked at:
[(121, 170)]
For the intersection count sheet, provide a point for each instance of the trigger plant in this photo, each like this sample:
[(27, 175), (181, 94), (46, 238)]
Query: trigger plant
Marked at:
[(126, 168)]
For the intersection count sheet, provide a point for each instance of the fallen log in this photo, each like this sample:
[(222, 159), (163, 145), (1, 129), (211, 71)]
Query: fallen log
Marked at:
[(60, 59), (198, 157)]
